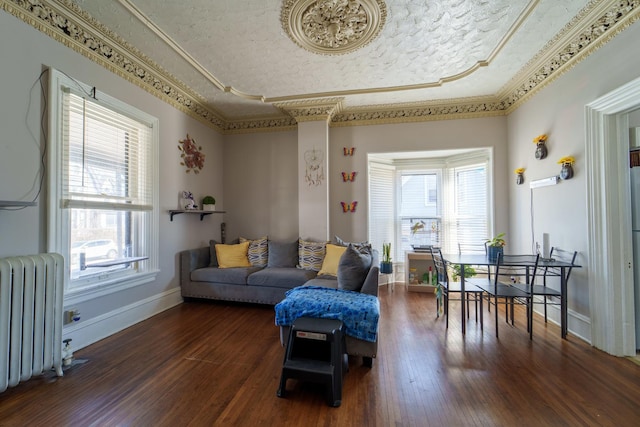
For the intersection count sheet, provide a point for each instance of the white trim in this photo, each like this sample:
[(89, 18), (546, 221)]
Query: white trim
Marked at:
[(87, 332), (608, 207)]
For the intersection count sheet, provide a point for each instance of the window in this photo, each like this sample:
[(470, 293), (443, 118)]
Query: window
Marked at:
[(441, 201), (103, 195)]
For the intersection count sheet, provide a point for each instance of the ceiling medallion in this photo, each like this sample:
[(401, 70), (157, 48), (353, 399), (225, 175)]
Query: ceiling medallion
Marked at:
[(333, 27)]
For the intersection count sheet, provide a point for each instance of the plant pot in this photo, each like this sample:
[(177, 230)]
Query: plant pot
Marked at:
[(386, 267), (208, 207), (493, 252)]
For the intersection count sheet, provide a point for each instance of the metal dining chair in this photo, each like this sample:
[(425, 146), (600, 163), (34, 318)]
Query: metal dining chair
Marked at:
[(511, 272), (447, 288)]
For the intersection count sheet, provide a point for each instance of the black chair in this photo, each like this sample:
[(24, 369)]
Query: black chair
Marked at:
[(551, 295), (511, 272), (479, 249), (446, 288)]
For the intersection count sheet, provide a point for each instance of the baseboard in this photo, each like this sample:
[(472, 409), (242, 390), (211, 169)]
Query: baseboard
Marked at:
[(578, 325), (92, 330)]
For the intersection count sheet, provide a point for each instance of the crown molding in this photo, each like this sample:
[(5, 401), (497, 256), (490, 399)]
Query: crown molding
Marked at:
[(65, 22), (312, 110)]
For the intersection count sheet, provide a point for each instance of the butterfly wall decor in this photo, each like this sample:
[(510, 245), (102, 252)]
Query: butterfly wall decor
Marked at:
[(346, 176), (348, 151), (349, 207)]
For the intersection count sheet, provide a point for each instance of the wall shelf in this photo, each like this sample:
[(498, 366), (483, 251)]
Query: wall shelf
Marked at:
[(192, 211), (15, 204)]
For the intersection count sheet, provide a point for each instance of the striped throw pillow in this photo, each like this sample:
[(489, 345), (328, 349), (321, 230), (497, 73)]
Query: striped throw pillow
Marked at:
[(311, 254), (258, 252)]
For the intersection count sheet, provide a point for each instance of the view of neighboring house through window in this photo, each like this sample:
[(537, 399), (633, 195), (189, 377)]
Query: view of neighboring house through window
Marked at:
[(424, 201), (103, 193)]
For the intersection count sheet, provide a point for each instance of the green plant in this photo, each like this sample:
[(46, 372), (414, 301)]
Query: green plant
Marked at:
[(208, 200), (386, 252), (497, 241), (468, 271)]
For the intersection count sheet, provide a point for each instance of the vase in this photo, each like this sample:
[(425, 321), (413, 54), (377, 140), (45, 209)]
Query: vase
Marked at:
[(493, 252), (541, 151), (566, 172), (519, 179)]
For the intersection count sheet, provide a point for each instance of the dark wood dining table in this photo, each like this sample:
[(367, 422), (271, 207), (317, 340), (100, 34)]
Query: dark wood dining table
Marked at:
[(543, 264)]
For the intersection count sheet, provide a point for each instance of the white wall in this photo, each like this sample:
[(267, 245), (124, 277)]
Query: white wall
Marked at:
[(434, 135), (24, 232), (261, 185), (559, 111)]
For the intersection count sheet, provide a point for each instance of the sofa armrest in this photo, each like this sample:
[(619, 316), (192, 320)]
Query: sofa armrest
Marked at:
[(193, 259), (370, 285)]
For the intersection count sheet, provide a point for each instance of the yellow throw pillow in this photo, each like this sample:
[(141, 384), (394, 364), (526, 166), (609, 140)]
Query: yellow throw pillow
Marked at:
[(331, 260), (233, 255)]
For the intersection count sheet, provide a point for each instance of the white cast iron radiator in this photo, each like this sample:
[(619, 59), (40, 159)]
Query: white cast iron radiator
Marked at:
[(30, 317)]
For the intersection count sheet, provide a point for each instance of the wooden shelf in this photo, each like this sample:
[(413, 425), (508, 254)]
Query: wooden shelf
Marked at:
[(193, 211), (15, 204)]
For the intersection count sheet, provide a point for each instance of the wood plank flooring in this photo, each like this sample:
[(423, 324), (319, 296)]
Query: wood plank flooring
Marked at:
[(218, 364)]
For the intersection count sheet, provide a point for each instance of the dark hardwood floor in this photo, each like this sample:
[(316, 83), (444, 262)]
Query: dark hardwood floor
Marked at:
[(218, 364)]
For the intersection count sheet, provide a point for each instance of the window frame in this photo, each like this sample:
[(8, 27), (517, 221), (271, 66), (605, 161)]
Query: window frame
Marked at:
[(59, 218)]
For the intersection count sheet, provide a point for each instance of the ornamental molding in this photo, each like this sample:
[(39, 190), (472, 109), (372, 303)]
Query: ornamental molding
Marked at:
[(332, 27), (65, 22), (312, 110)]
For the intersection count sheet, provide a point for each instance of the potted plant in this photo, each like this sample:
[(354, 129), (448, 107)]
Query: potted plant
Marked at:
[(208, 203), (495, 246), (386, 267)]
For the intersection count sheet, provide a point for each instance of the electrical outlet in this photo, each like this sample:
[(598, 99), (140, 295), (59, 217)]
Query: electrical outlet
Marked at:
[(71, 316)]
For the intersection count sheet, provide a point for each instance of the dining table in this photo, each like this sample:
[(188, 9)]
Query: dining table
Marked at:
[(544, 265)]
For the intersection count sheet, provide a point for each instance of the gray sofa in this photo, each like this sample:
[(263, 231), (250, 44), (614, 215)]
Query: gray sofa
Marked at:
[(201, 278)]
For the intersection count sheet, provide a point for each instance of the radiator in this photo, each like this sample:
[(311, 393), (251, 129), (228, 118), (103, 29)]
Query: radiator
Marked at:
[(30, 317)]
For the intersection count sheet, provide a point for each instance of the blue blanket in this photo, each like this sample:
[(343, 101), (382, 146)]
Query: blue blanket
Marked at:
[(359, 312)]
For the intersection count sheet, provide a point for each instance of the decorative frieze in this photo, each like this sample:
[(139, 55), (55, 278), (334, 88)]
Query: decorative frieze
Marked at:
[(65, 22)]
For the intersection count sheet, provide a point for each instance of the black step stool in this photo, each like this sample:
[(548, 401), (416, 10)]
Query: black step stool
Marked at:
[(315, 352)]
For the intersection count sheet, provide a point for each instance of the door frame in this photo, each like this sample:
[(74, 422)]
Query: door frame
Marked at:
[(611, 293)]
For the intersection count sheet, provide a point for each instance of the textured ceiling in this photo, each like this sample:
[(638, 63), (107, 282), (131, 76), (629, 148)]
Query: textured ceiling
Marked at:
[(237, 57)]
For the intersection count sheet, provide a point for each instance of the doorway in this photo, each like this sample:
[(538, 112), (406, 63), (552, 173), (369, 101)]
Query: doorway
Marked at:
[(611, 290)]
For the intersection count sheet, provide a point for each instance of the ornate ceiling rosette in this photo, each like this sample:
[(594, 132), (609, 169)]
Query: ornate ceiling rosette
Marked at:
[(333, 27)]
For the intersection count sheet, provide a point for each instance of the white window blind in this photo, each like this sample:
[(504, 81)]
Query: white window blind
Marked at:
[(381, 206), (106, 158), (468, 218)]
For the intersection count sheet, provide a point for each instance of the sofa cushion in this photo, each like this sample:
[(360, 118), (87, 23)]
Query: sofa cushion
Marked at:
[(280, 277), (230, 256), (233, 276), (213, 259), (353, 268), (258, 251), (283, 254), (311, 254), (331, 259)]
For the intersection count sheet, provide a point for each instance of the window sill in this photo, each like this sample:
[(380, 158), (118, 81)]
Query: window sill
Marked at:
[(75, 296)]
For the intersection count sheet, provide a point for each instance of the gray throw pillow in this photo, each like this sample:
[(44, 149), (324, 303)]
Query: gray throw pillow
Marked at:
[(353, 268), (283, 254), (213, 258)]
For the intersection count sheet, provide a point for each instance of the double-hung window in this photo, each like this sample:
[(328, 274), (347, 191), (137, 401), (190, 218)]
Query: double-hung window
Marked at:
[(103, 188)]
